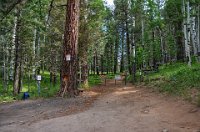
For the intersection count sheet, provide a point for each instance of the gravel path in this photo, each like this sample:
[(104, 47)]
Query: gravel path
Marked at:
[(117, 109)]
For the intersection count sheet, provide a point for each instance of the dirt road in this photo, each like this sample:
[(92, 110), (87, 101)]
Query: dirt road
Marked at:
[(118, 109)]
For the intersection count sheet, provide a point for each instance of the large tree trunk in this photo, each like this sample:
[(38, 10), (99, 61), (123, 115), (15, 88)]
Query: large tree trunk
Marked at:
[(70, 47)]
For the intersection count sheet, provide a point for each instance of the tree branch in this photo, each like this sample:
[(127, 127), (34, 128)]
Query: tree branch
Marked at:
[(5, 12)]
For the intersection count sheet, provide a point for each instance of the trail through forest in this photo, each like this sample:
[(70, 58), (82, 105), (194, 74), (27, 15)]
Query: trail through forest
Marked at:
[(110, 108)]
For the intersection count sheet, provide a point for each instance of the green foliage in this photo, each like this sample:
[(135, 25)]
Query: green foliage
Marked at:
[(94, 80), (110, 76), (47, 89)]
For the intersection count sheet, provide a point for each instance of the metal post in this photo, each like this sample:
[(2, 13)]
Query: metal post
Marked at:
[(38, 79), (38, 84)]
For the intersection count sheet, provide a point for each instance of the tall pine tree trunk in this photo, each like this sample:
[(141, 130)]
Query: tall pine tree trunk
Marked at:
[(122, 52), (198, 31), (70, 48), (12, 51), (128, 45), (17, 69), (116, 53), (34, 53)]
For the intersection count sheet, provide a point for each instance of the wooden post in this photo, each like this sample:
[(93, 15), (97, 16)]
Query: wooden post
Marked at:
[(125, 79)]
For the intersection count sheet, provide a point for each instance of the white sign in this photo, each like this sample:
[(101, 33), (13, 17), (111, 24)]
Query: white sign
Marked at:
[(38, 77), (117, 77), (68, 57)]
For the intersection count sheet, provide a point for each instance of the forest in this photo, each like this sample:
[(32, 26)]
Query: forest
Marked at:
[(100, 65), (151, 41)]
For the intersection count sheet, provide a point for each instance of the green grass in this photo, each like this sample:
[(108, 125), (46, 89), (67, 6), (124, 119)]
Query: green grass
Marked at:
[(110, 76), (94, 80), (176, 79), (47, 90)]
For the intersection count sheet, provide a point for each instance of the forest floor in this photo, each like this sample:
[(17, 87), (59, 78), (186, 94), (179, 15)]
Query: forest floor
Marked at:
[(110, 108)]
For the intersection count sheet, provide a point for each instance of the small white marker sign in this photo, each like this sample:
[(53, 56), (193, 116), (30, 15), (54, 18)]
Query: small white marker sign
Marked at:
[(38, 77), (117, 77), (68, 57)]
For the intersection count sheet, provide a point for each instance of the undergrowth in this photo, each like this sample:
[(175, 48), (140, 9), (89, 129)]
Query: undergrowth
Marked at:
[(94, 80), (46, 89), (177, 79)]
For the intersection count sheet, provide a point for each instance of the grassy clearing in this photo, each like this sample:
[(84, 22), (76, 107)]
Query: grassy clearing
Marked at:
[(177, 79)]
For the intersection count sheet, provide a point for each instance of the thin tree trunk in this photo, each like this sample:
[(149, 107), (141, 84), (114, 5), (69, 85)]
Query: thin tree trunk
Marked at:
[(116, 54), (188, 34), (16, 85), (192, 30), (96, 63), (122, 52), (102, 64), (5, 61), (128, 44), (162, 47), (38, 52), (198, 31), (34, 53), (12, 52), (143, 53)]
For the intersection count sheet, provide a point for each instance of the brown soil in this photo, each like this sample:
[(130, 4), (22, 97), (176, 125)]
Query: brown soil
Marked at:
[(110, 108)]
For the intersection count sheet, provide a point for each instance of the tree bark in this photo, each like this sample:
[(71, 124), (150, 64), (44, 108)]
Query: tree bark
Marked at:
[(122, 52), (83, 43), (116, 53), (16, 85), (102, 64), (12, 52), (128, 45), (198, 31), (70, 47)]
